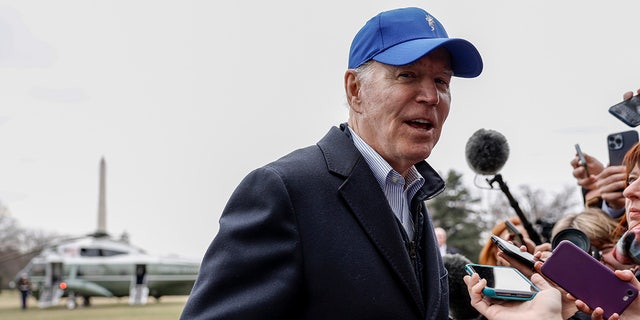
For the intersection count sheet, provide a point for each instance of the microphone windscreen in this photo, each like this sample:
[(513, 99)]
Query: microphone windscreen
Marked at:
[(459, 300), (487, 151)]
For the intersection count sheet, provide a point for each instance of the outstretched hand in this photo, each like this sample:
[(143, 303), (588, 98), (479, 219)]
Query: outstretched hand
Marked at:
[(545, 305)]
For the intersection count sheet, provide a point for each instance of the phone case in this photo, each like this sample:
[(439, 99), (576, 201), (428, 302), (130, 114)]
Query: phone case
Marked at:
[(505, 283), (618, 144), (515, 232), (588, 279), (627, 111), (513, 251)]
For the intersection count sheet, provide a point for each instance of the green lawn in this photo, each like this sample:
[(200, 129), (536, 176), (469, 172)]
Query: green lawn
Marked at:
[(169, 307)]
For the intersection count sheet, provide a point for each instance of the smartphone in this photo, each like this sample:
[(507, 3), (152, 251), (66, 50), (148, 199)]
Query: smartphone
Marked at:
[(515, 233), (504, 282), (583, 160), (513, 251), (588, 279), (618, 144), (627, 111)]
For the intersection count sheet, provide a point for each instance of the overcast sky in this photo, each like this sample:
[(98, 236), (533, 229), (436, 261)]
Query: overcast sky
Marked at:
[(184, 98)]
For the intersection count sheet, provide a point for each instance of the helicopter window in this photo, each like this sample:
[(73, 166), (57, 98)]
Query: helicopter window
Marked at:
[(108, 253), (97, 252), (90, 252)]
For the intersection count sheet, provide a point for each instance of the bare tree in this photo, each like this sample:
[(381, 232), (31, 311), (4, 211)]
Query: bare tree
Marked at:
[(18, 245), (541, 207)]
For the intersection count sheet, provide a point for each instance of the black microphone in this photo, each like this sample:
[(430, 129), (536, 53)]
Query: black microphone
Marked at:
[(487, 151), (459, 300)]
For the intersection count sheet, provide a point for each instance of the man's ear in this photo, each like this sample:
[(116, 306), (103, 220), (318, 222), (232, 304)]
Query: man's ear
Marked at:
[(352, 89)]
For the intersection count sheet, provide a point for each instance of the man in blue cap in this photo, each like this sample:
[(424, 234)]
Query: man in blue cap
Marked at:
[(339, 230)]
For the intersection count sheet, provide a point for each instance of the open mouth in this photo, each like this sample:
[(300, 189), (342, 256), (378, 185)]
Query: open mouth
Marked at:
[(420, 124)]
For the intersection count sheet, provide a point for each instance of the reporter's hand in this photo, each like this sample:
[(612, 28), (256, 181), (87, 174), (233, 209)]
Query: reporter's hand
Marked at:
[(595, 167), (627, 95), (610, 183), (568, 303), (545, 305), (542, 251)]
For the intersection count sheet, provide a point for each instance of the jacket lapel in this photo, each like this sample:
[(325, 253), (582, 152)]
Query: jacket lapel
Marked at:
[(368, 204)]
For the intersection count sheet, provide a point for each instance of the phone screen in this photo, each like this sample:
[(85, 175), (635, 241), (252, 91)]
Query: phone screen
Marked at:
[(504, 282)]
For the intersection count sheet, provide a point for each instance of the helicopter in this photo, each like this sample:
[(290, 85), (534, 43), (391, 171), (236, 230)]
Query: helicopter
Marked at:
[(99, 265)]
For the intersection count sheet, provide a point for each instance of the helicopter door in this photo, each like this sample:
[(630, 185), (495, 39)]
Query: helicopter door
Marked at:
[(139, 292), (51, 292)]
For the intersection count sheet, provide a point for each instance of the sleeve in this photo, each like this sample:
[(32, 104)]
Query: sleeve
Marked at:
[(613, 213), (252, 268)]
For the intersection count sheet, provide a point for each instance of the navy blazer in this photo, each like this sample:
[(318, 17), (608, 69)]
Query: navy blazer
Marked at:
[(311, 236)]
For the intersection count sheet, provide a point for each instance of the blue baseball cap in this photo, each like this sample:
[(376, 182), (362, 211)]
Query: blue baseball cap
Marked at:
[(402, 36)]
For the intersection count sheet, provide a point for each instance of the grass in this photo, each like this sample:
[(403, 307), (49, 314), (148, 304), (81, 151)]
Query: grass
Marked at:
[(168, 307)]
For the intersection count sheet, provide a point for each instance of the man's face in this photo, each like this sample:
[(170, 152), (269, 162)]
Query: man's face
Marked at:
[(400, 110)]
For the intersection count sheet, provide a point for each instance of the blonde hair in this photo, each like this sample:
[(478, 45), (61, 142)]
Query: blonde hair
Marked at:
[(595, 223)]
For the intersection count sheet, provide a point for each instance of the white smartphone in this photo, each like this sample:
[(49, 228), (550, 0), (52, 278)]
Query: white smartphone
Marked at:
[(504, 282)]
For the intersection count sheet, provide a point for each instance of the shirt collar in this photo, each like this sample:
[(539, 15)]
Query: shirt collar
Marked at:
[(380, 167)]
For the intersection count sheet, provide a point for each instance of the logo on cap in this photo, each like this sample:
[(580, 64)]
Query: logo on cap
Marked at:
[(431, 23)]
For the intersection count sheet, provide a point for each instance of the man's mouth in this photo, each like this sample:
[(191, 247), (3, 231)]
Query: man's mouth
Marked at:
[(420, 124)]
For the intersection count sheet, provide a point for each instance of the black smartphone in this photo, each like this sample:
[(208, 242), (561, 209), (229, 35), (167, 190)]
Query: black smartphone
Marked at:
[(515, 233), (504, 282), (627, 111), (618, 144), (583, 160), (513, 251)]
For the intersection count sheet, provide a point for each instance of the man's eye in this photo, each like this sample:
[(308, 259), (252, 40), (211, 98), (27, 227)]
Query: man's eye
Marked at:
[(406, 75)]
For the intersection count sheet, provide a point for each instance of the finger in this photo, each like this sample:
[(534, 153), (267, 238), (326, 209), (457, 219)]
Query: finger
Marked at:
[(626, 275), (585, 308), (627, 95), (614, 316), (477, 288), (540, 282), (543, 247), (471, 282), (575, 162), (529, 245), (537, 266), (579, 173)]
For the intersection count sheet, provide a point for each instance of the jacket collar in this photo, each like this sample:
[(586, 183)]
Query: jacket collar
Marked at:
[(341, 155), (368, 205)]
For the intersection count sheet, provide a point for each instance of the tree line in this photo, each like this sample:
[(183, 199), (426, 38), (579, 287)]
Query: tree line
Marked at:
[(468, 218), (465, 216), (18, 245)]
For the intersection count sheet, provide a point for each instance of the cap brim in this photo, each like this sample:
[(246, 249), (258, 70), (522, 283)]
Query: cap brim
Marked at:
[(465, 58)]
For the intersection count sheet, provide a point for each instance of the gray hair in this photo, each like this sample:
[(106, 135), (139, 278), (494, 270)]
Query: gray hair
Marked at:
[(364, 70)]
